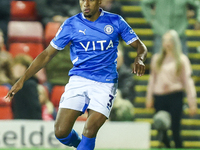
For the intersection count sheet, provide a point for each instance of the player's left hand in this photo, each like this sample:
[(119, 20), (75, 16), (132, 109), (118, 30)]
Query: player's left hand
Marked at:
[(138, 67), (15, 88)]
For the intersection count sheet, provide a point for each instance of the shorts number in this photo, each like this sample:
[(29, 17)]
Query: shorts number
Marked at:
[(109, 104)]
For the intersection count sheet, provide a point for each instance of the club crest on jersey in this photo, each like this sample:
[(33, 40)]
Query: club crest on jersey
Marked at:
[(108, 29)]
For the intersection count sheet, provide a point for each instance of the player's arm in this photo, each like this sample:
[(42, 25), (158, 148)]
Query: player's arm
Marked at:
[(138, 65), (38, 63)]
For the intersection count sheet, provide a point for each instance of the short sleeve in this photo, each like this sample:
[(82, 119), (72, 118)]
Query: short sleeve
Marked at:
[(63, 36), (127, 33)]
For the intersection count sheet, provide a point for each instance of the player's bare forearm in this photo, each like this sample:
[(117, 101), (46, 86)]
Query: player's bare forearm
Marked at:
[(39, 62), (138, 65), (141, 49)]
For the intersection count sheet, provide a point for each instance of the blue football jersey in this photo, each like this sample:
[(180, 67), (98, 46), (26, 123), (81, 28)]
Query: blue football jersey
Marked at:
[(93, 48)]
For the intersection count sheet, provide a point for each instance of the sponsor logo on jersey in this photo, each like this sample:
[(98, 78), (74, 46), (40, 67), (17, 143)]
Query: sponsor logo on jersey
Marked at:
[(101, 43), (108, 29)]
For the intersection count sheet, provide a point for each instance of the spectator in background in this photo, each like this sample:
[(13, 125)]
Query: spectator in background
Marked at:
[(48, 111), (56, 10), (42, 76), (174, 17), (4, 16), (170, 76), (2, 45), (111, 6), (58, 68), (25, 104), (122, 110), (125, 82), (6, 77)]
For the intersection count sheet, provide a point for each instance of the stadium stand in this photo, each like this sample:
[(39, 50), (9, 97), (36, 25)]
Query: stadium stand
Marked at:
[(25, 31), (56, 93), (5, 107), (50, 31), (32, 49), (20, 32), (190, 126), (23, 11)]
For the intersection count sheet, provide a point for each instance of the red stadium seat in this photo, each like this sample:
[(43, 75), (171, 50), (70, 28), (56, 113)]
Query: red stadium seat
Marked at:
[(23, 10), (56, 93), (50, 31), (6, 112), (3, 92), (5, 108), (25, 32), (32, 49)]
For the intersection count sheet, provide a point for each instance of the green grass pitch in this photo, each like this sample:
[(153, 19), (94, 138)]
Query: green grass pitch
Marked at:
[(72, 149)]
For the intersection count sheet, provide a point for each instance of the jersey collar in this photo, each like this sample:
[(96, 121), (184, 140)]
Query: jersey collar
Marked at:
[(100, 9)]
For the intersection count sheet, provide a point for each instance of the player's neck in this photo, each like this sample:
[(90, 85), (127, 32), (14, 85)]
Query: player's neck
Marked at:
[(94, 17)]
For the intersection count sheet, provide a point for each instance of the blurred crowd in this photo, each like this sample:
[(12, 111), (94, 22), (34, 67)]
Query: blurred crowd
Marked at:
[(170, 69)]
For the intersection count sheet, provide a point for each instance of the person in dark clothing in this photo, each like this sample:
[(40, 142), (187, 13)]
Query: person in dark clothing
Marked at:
[(56, 11), (125, 82), (56, 74), (4, 16), (112, 6), (25, 104)]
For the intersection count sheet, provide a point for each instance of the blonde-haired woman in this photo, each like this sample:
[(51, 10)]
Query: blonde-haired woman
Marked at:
[(170, 76)]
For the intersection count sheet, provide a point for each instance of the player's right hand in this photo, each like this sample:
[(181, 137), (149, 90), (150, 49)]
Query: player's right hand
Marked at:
[(15, 88)]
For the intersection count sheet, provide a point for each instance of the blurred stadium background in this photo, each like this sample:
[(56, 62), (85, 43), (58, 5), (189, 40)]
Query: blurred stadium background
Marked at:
[(190, 126)]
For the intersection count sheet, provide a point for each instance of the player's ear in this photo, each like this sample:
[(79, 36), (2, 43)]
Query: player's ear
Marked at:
[(100, 1)]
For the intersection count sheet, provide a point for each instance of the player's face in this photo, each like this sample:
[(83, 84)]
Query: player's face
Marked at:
[(90, 8)]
